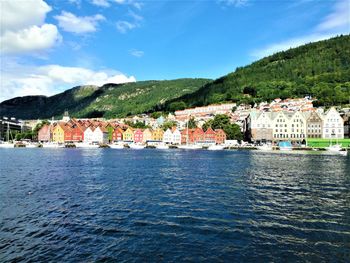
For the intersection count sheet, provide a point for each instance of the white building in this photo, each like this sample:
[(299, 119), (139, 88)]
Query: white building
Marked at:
[(176, 138), (168, 136), (333, 125), (95, 135)]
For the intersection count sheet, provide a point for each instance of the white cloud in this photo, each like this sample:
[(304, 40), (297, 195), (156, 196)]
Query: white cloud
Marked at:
[(23, 27), (102, 3), (18, 80), (336, 23), (17, 15), (124, 26), (31, 39), (338, 19), (137, 53), (72, 23)]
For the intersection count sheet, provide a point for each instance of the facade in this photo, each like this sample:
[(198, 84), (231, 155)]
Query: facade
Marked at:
[(58, 133), (44, 134), (147, 135), (297, 129), (220, 136), (198, 135), (100, 135), (333, 125), (314, 125), (128, 135), (89, 135), (260, 126), (157, 134), (117, 134), (138, 136), (168, 136), (210, 135), (176, 138)]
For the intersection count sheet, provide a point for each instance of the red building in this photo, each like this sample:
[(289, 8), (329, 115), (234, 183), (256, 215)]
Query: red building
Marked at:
[(117, 134), (138, 136), (187, 134), (198, 135), (220, 136), (210, 135)]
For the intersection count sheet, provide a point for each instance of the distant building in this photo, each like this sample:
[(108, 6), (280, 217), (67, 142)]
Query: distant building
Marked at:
[(10, 126), (333, 125), (314, 125)]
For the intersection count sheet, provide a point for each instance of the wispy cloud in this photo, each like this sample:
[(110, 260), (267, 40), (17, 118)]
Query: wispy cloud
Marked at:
[(136, 53), (75, 24), (335, 23), (102, 3), (236, 3), (124, 26)]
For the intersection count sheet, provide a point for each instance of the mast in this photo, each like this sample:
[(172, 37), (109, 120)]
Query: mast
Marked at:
[(187, 129)]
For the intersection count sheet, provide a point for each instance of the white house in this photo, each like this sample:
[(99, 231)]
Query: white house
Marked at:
[(297, 129), (176, 138), (168, 136), (89, 135), (333, 125), (99, 135)]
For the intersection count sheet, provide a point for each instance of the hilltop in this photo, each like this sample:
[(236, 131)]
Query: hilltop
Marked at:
[(320, 69), (109, 100)]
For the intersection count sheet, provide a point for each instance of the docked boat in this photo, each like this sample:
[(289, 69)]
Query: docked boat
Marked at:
[(6, 145), (86, 145), (190, 147), (116, 146), (264, 147), (136, 146), (216, 147), (53, 145), (334, 148), (285, 146), (162, 146)]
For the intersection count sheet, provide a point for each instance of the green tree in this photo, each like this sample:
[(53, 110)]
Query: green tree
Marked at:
[(192, 124), (174, 106), (168, 125)]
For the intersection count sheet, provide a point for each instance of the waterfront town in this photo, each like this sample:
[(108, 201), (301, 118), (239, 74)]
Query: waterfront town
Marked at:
[(293, 120)]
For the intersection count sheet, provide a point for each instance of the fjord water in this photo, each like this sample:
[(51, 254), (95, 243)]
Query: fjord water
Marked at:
[(76, 205)]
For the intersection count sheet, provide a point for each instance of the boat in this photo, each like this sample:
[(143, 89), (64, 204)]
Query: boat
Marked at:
[(31, 145), (334, 148), (6, 145), (116, 146), (190, 147), (162, 146), (264, 147), (53, 145), (216, 147), (285, 146), (86, 145), (136, 146)]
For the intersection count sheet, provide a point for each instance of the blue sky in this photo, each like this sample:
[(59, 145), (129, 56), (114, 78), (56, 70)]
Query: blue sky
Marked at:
[(48, 46)]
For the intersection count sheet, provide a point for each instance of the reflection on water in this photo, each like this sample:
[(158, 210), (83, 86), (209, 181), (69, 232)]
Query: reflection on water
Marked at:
[(125, 205)]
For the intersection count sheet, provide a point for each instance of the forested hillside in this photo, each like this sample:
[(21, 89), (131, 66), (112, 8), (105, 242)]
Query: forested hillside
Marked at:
[(320, 69), (110, 100)]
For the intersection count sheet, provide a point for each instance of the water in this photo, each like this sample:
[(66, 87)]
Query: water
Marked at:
[(104, 205)]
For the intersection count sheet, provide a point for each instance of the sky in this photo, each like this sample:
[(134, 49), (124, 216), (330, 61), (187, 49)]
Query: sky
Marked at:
[(48, 46)]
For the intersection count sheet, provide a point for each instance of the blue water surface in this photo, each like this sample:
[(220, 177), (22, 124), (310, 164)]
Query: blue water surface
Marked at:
[(108, 205)]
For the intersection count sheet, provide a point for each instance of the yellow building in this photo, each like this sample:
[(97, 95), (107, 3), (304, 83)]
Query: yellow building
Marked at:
[(128, 135), (157, 134), (147, 135), (58, 134)]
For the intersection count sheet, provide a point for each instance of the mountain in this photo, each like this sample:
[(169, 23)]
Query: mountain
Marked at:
[(110, 100), (320, 69)]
